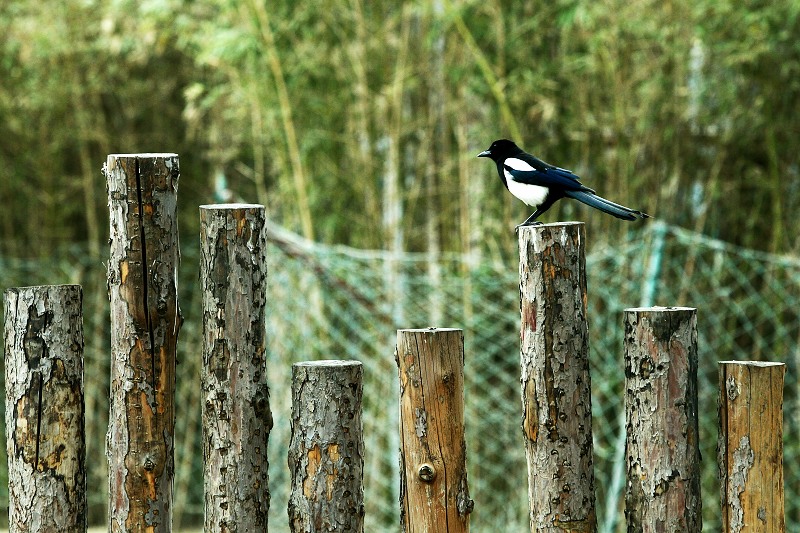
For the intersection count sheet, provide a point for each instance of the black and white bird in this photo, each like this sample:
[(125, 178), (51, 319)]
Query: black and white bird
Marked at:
[(540, 184)]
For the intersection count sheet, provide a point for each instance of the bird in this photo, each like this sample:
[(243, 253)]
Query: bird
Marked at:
[(540, 184)]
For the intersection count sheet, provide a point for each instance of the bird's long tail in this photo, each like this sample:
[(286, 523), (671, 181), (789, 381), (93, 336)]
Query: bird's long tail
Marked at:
[(606, 206)]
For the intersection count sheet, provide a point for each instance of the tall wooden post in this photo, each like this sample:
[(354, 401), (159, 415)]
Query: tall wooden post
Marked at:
[(236, 413), (145, 319), (326, 453), (750, 446), (662, 448), (433, 466), (45, 433), (556, 397)]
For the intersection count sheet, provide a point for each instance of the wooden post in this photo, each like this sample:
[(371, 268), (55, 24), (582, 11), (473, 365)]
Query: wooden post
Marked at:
[(326, 453), (236, 413), (556, 398), (145, 319), (45, 433), (750, 446), (662, 448), (433, 466)]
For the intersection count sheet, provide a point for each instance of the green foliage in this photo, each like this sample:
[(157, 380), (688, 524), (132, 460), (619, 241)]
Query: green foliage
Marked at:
[(683, 109)]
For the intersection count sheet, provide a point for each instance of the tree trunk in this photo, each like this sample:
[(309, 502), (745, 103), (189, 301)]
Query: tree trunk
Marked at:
[(434, 495), (662, 447), (326, 453), (145, 319), (45, 435), (236, 412), (750, 446), (556, 388)]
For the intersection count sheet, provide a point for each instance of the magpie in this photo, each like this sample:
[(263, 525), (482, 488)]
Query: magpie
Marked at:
[(540, 184)]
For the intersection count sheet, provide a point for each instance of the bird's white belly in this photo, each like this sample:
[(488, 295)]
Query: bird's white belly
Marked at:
[(533, 195)]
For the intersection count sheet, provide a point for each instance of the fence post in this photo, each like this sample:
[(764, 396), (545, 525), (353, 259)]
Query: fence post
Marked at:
[(662, 448), (433, 467), (555, 383), (750, 446), (236, 412), (326, 452), (145, 319), (45, 433)]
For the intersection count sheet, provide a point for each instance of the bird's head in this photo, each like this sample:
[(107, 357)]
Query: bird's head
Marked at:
[(500, 149)]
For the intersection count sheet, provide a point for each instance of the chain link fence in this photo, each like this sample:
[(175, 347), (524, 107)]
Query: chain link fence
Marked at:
[(341, 303)]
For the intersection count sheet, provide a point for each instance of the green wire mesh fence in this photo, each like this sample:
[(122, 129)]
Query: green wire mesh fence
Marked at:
[(340, 303)]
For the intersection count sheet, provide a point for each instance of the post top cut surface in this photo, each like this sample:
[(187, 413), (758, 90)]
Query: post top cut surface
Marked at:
[(148, 155), (552, 225), (327, 363), (234, 206), (659, 309), (427, 330), (759, 364)]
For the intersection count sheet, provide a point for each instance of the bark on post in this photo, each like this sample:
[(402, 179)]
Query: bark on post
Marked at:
[(326, 453), (236, 412), (662, 446), (145, 319), (45, 433), (434, 494), (556, 398), (750, 446)]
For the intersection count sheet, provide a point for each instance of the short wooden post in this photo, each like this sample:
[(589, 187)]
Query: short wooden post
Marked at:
[(145, 319), (326, 452), (556, 398), (45, 433), (662, 447), (236, 412), (750, 446), (433, 467)]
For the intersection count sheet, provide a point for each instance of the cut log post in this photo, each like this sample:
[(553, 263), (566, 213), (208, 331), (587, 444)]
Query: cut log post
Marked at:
[(433, 467), (145, 319), (662, 447), (45, 433), (326, 452), (236, 412), (750, 446), (556, 395)]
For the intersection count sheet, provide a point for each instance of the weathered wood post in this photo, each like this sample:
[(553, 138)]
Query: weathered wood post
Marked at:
[(45, 432), (556, 398), (145, 319), (236, 412), (326, 453), (662, 447), (433, 467), (750, 446)]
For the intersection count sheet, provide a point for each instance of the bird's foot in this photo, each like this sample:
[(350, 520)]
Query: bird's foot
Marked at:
[(537, 223)]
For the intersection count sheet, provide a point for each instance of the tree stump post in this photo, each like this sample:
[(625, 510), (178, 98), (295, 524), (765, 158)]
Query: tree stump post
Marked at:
[(433, 467), (236, 412), (145, 319), (45, 432), (750, 447), (662, 446), (555, 383), (326, 453)]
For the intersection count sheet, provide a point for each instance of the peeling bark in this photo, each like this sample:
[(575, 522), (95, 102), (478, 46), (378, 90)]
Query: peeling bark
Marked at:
[(145, 319), (45, 434), (750, 446), (662, 446), (326, 453), (236, 414), (555, 383), (433, 465)]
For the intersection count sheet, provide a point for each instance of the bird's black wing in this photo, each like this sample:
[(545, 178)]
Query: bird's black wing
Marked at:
[(527, 169)]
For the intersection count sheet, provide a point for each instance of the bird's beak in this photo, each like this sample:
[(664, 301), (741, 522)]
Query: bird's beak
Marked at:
[(485, 153)]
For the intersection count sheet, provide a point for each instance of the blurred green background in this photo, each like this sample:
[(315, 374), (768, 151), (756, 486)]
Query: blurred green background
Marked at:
[(357, 123)]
